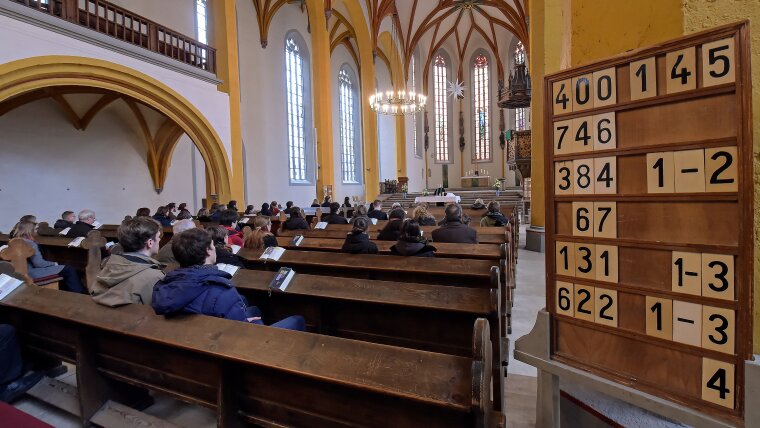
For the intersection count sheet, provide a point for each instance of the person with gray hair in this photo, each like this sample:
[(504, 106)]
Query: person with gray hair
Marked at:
[(455, 230), (86, 223), (165, 254)]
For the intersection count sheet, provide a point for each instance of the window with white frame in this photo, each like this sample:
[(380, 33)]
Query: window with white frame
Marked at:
[(441, 110), (521, 120), (347, 115), (298, 113), (519, 54), (480, 101), (200, 21)]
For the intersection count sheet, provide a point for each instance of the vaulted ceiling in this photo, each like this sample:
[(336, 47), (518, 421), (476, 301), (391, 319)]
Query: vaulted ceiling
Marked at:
[(429, 24)]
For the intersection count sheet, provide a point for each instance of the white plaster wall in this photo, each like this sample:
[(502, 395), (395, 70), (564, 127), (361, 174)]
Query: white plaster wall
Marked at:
[(45, 170), (386, 128), (415, 166), (339, 57), (177, 15), (211, 103), (263, 108)]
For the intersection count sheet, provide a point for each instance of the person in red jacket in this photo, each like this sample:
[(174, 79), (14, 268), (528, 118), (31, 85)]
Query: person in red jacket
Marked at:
[(228, 219)]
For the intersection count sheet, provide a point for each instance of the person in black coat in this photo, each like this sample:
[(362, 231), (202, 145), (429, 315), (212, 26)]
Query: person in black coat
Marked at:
[(357, 242), (326, 203), (81, 228), (334, 217), (162, 217), (224, 253), (315, 203), (454, 230), (376, 211), (411, 242), (392, 230), (296, 221), (67, 220), (288, 207), (265, 210)]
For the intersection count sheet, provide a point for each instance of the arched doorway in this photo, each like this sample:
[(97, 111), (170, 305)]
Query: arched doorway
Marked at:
[(31, 74)]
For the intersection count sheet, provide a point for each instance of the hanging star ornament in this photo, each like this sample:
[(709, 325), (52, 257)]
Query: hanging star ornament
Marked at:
[(456, 89)]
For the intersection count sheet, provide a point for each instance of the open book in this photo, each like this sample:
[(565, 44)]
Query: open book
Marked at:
[(230, 269), (76, 242), (64, 231), (296, 241), (109, 245), (96, 224), (8, 284), (373, 220), (272, 253), (282, 279), (2, 247), (321, 225), (235, 248), (244, 220)]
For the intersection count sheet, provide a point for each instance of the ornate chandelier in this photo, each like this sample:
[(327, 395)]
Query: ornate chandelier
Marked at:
[(401, 102)]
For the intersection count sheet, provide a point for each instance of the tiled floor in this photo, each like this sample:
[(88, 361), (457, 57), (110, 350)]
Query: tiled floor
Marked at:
[(520, 384)]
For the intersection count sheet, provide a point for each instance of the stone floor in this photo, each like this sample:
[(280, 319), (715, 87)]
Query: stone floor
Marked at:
[(520, 384)]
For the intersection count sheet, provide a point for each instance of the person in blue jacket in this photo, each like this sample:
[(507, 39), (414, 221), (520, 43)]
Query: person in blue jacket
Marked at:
[(198, 287)]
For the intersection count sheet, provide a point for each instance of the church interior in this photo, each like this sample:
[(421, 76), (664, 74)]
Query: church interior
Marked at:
[(486, 213)]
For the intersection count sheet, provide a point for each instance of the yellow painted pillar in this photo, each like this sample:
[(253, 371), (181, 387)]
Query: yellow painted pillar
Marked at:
[(223, 37), (369, 118), (321, 93)]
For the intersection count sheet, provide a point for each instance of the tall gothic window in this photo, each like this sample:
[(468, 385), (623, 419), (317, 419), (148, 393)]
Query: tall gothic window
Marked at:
[(347, 126), (441, 110), (519, 53), (296, 110), (200, 20), (481, 100)]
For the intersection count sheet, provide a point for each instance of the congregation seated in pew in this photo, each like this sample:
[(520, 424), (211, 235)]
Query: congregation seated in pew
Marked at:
[(184, 214), (265, 210), (315, 203), (333, 217), (326, 203), (29, 218), (359, 212), (288, 207), (224, 254), (165, 254), (454, 229), (478, 204), (261, 237), (143, 212), (39, 268), (162, 217), (493, 217), (274, 206), (422, 216), (357, 242), (376, 211), (232, 205), (199, 287), (392, 229), (249, 210), (296, 220), (84, 225), (129, 277), (204, 215), (68, 218), (229, 220), (411, 242)]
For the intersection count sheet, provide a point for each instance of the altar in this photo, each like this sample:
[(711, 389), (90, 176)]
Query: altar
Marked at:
[(476, 181)]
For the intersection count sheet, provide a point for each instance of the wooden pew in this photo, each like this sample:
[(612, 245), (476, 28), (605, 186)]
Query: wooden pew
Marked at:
[(252, 374), (421, 316), (426, 229), (339, 234), (445, 250)]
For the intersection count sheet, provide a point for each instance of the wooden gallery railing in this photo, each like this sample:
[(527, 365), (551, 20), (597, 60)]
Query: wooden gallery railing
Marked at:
[(129, 27)]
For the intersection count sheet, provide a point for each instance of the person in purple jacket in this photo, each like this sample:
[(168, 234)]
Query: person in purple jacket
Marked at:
[(198, 287)]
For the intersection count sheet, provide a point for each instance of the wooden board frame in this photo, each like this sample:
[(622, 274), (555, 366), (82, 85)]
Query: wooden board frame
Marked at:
[(741, 246)]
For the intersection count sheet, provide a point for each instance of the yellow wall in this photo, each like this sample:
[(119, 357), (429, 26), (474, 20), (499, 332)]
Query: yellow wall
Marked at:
[(596, 29)]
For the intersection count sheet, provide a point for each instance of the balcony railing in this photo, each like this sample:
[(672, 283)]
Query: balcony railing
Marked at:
[(129, 27)]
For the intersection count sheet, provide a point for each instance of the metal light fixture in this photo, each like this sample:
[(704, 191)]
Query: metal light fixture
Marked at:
[(396, 103)]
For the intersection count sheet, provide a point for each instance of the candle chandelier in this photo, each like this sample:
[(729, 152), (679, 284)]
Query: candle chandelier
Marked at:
[(394, 102)]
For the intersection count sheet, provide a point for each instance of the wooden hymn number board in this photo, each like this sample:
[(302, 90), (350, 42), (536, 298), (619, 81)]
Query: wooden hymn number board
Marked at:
[(649, 243)]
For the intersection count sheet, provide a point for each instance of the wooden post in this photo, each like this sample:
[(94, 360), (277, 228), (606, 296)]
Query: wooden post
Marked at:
[(93, 243), (17, 253)]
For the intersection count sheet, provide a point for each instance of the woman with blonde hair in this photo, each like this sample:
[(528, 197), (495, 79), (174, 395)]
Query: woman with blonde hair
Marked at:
[(40, 269), (261, 237), (423, 216)]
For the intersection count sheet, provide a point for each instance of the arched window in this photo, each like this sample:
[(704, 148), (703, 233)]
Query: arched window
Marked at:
[(440, 75), (298, 111), (348, 118), (519, 53), (480, 107)]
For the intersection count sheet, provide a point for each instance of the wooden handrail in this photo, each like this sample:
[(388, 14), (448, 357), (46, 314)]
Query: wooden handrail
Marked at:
[(129, 27)]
